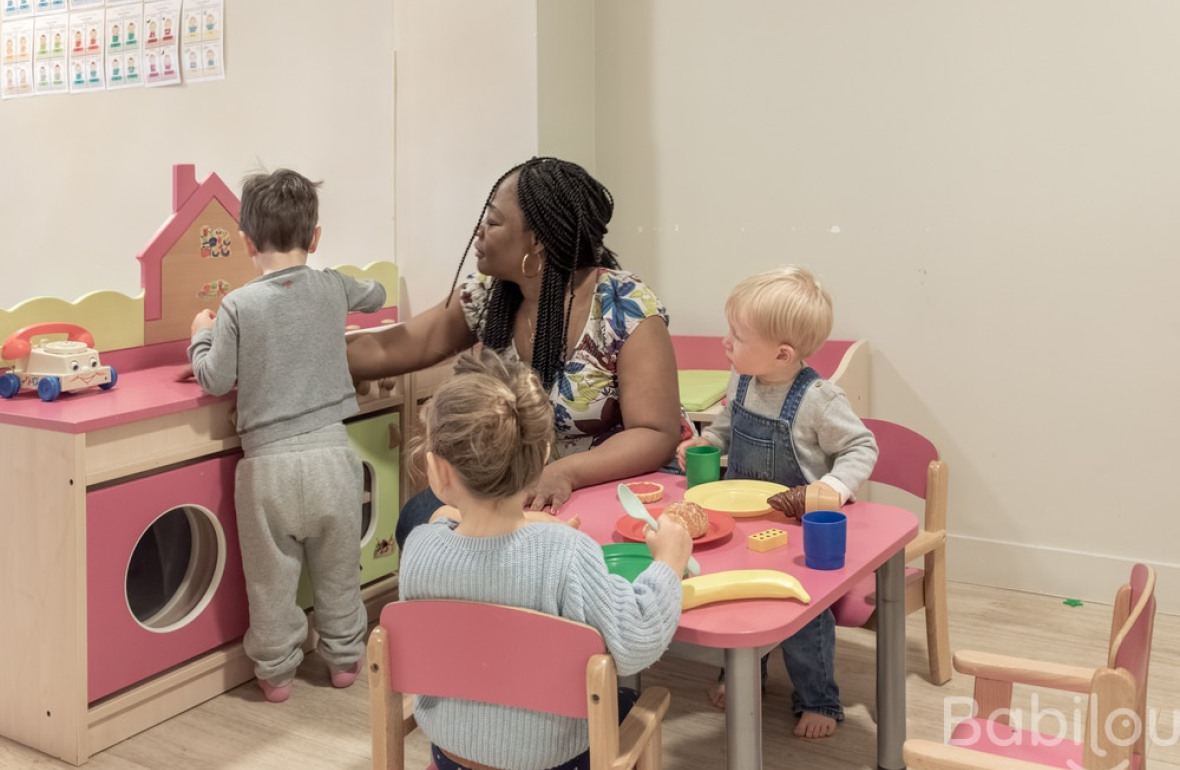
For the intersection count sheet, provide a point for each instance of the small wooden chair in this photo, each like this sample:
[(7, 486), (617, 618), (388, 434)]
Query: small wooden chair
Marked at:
[(909, 461), (507, 656), (987, 742)]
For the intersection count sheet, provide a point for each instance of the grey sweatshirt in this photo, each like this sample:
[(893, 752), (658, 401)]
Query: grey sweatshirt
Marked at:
[(281, 339), (549, 568), (832, 445)]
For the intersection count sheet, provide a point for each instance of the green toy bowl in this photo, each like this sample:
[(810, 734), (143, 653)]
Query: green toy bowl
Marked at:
[(626, 559)]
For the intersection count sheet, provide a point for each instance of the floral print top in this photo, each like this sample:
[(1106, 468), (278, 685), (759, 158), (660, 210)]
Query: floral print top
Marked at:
[(586, 395)]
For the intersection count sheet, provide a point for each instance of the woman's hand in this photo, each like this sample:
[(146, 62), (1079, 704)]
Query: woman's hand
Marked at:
[(537, 517), (551, 491)]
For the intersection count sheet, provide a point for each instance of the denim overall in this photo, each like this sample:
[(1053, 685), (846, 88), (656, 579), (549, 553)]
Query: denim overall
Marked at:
[(762, 448)]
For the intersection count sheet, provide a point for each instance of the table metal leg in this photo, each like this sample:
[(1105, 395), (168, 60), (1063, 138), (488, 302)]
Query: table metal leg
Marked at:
[(743, 709), (891, 667)]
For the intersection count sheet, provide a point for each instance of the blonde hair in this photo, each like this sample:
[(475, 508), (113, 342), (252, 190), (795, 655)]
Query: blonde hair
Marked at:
[(786, 305), (493, 423)]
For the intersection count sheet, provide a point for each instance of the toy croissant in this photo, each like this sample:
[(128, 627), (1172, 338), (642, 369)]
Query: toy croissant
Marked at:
[(797, 501)]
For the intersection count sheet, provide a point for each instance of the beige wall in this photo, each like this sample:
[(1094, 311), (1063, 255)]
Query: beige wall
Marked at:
[(85, 180), (566, 73), (990, 190)]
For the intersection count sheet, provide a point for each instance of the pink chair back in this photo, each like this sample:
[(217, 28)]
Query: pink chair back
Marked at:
[(827, 359), (699, 352), (490, 654), (704, 352), (904, 457), (1131, 646)]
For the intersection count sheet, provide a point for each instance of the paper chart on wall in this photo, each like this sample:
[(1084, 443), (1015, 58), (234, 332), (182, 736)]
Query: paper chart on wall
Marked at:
[(161, 56), (124, 46), (51, 62), (16, 58), (15, 9), (87, 68), (49, 6), (203, 40)]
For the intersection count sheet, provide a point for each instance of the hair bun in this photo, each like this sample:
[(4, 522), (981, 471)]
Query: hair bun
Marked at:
[(493, 423)]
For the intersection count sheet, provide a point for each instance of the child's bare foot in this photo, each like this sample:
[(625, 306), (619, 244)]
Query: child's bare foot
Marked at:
[(275, 693), (717, 695), (812, 725), (344, 677)]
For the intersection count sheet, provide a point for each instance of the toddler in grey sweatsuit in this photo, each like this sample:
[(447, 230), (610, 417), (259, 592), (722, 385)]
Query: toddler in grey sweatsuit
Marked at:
[(299, 486)]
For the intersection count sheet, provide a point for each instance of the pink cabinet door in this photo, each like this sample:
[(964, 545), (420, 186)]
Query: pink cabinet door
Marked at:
[(164, 573)]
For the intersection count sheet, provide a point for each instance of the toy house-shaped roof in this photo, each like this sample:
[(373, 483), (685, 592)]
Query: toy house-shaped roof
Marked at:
[(190, 199)]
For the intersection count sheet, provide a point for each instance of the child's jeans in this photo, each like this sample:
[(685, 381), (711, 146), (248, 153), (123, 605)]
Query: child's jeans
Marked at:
[(810, 656), (627, 698)]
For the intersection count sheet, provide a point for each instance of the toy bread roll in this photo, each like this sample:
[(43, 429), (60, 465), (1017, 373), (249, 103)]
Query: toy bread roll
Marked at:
[(690, 515)]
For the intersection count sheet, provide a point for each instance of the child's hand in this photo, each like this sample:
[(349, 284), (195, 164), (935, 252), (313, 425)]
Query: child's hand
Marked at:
[(202, 321), (185, 374), (670, 544), (694, 441)]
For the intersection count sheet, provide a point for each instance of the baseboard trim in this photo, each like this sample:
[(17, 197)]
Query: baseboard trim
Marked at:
[(1053, 571)]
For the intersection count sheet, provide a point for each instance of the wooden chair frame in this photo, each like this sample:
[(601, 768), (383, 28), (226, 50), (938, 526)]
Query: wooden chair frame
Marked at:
[(1112, 689), (636, 742)]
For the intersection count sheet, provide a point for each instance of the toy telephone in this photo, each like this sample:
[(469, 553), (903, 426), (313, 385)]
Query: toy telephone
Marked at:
[(55, 367), (19, 343)]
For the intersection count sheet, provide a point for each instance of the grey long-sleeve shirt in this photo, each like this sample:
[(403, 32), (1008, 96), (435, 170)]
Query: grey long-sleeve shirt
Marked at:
[(832, 445), (281, 339), (549, 568)]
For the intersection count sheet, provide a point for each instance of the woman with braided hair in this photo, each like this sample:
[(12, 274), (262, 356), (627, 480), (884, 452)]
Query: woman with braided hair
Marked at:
[(549, 292)]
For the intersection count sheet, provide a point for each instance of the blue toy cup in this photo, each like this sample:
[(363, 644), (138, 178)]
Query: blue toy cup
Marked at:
[(825, 537)]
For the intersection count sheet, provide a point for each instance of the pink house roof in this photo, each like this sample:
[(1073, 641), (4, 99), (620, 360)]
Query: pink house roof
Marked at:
[(189, 199)]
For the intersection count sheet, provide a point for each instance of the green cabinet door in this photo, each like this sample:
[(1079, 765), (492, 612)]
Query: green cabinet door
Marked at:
[(370, 438)]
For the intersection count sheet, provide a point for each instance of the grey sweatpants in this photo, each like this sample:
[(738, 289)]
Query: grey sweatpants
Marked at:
[(301, 497)]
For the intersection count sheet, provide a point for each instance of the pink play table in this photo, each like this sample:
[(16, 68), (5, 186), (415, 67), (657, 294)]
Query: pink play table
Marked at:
[(877, 535)]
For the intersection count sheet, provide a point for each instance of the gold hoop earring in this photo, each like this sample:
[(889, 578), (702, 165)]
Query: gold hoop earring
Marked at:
[(524, 261)]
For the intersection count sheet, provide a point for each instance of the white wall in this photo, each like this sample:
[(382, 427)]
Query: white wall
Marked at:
[(466, 112), (85, 180), (990, 191)]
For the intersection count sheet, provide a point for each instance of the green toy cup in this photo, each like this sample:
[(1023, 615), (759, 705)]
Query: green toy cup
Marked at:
[(702, 464)]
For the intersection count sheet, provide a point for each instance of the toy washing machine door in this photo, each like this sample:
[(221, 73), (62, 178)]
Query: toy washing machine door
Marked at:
[(164, 573)]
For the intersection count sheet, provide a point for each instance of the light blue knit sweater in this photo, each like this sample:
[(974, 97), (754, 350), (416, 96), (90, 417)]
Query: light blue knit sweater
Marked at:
[(552, 569)]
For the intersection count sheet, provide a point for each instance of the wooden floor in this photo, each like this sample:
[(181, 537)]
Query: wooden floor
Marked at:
[(325, 728)]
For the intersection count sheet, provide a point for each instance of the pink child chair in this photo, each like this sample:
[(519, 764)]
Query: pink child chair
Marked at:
[(987, 742), (507, 656), (909, 461)]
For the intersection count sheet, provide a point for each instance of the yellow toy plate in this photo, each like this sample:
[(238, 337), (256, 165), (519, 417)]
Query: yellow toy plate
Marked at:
[(737, 497)]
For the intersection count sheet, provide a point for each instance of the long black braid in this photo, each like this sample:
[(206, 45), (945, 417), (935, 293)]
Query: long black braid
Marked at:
[(568, 210)]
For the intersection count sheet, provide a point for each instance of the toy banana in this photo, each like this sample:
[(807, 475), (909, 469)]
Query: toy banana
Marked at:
[(741, 584)]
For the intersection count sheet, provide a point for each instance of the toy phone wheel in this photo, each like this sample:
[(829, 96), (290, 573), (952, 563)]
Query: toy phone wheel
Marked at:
[(111, 384), (49, 388), (9, 385)]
